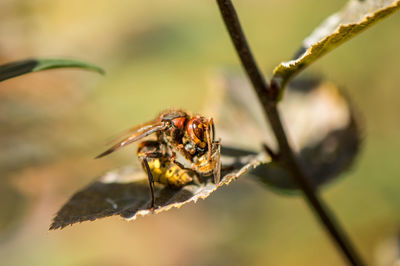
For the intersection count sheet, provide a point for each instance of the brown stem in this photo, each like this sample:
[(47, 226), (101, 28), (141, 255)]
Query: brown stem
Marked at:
[(268, 98)]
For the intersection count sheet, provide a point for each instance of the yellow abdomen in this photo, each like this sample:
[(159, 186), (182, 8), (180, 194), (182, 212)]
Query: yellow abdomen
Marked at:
[(168, 173)]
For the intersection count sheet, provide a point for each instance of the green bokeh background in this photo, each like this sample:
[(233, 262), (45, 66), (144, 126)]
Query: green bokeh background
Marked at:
[(159, 54)]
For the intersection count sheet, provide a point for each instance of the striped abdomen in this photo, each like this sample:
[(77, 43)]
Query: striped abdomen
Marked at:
[(168, 173)]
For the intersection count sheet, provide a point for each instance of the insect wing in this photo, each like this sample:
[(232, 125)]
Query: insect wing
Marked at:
[(131, 131), (141, 133)]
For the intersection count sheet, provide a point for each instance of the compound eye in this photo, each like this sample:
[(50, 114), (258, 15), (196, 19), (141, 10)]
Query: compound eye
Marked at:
[(198, 129)]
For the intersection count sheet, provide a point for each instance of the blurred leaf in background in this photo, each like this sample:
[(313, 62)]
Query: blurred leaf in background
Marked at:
[(321, 121), (18, 68)]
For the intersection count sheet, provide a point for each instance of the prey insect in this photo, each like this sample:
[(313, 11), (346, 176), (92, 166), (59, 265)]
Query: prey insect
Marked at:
[(177, 133)]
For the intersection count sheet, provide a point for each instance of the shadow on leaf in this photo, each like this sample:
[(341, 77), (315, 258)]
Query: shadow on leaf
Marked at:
[(320, 121)]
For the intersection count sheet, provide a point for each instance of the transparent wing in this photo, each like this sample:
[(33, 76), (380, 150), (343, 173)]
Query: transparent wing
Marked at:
[(140, 133), (129, 132)]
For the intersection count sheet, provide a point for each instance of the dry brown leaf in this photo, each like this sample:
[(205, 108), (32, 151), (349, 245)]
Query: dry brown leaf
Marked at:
[(355, 17), (125, 192)]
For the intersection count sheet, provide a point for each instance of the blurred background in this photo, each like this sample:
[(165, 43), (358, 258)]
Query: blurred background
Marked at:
[(158, 55)]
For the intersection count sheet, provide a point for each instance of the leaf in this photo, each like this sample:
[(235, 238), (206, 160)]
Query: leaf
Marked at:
[(125, 192), (355, 17), (322, 161), (22, 67), (320, 121)]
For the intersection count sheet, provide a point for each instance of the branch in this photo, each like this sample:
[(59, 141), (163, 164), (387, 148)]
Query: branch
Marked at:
[(268, 98)]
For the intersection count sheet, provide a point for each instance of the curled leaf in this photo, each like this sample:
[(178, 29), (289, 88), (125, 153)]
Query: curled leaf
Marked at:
[(320, 122), (26, 66), (355, 17), (125, 192)]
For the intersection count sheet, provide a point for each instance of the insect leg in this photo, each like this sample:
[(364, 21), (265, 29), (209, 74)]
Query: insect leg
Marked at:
[(217, 159), (173, 160), (210, 137), (146, 167), (148, 151)]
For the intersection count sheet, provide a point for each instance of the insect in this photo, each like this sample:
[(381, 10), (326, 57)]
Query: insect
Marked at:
[(177, 133)]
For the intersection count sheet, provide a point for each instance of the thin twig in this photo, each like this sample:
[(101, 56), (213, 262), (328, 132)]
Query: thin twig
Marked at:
[(268, 98)]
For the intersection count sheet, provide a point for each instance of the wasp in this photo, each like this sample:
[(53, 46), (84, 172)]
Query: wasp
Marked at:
[(177, 134)]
